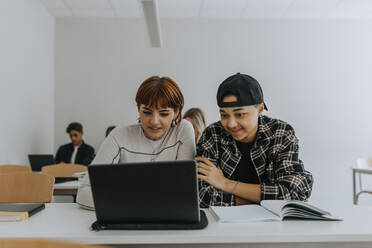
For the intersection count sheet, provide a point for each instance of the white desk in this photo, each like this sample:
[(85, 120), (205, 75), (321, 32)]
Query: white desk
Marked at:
[(68, 222)]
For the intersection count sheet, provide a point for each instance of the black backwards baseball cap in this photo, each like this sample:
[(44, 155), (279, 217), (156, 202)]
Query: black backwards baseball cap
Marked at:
[(244, 87)]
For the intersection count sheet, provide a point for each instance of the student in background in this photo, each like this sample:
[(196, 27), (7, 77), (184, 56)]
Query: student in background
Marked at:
[(248, 157), (76, 152), (160, 135), (197, 119), (109, 129)]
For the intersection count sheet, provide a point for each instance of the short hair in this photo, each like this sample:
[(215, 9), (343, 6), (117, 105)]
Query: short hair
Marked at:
[(161, 92), (198, 118), (109, 129), (74, 126)]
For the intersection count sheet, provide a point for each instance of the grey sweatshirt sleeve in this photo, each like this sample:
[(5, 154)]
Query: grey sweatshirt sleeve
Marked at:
[(187, 149), (107, 154)]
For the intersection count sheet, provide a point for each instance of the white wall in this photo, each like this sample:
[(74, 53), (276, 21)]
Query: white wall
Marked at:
[(315, 74), (26, 80)]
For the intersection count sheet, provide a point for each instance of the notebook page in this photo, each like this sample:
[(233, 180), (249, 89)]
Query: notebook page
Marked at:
[(244, 213)]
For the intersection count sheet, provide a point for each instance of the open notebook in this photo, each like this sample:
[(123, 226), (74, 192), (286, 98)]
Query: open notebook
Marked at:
[(271, 210)]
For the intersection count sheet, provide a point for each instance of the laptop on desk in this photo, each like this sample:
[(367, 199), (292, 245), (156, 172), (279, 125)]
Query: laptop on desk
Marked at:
[(39, 160), (146, 196)]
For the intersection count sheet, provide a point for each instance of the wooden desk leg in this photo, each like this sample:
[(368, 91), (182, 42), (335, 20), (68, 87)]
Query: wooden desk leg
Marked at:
[(355, 200)]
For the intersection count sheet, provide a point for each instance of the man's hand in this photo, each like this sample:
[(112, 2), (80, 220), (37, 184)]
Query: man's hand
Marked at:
[(209, 173)]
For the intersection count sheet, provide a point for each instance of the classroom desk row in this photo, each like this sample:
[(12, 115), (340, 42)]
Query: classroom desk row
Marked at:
[(66, 188), (68, 222)]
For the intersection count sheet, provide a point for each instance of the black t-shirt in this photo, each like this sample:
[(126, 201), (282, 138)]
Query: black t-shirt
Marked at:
[(245, 171)]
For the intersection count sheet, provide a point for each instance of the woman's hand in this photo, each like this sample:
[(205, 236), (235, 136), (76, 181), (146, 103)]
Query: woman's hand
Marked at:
[(209, 173)]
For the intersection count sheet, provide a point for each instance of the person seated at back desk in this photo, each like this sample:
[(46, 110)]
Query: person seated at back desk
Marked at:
[(76, 152), (196, 117), (160, 135), (248, 157)]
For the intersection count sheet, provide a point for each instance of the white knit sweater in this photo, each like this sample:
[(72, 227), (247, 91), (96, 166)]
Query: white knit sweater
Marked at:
[(129, 144)]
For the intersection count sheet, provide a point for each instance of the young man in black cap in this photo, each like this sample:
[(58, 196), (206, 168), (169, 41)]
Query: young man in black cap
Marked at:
[(248, 157)]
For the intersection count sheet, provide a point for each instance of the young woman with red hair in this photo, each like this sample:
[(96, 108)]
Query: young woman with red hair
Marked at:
[(161, 133)]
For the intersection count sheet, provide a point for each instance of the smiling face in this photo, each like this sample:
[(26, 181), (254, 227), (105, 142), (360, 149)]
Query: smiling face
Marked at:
[(241, 122), (156, 121)]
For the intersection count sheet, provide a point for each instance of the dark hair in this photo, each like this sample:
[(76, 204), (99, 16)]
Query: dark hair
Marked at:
[(161, 92), (74, 126), (109, 129)]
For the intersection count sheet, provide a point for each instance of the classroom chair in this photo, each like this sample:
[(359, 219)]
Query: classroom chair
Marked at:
[(63, 170), (41, 243), (9, 168), (26, 187), (364, 166)]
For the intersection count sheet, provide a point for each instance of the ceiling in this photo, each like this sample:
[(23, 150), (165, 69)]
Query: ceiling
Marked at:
[(240, 9)]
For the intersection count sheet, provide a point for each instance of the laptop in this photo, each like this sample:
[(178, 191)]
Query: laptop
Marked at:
[(146, 196), (39, 160)]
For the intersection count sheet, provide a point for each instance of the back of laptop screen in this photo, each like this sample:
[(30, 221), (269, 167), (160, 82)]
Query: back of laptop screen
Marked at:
[(147, 192), (38, 161)]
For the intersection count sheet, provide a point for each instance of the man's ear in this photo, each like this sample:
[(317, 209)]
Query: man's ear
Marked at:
[(261, 108)]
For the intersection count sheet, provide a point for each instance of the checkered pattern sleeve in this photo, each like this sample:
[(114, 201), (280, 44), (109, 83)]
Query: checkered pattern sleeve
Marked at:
[(291, 181), (207, 148)]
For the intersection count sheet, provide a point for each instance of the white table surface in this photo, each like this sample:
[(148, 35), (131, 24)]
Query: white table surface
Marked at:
[(69, 222)]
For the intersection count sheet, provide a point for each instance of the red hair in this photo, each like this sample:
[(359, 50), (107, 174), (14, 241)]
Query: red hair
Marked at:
[(161, 92)]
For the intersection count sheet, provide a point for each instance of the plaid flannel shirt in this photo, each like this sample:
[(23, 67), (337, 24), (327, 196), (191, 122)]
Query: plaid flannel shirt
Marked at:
[(274, 154)]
